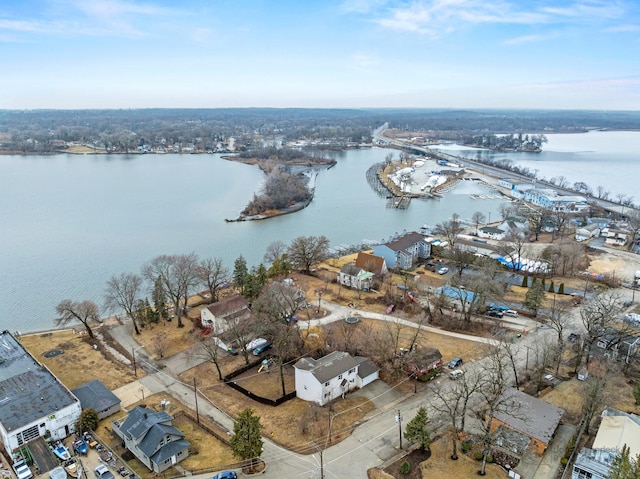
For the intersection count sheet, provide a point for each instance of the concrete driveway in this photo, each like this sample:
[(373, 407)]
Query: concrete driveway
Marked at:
[(546, 467)]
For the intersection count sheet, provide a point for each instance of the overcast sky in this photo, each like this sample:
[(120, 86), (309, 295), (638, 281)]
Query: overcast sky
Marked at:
[(320, 53)]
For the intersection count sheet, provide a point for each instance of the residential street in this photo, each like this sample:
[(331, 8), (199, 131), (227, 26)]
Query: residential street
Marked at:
[(373, 442)]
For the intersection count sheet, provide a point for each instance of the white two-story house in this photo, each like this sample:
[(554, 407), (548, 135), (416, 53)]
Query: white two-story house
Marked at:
[(332, 376)]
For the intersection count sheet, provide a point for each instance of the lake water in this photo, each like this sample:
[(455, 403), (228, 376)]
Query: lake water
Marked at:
[(70, 222), (598, 158)]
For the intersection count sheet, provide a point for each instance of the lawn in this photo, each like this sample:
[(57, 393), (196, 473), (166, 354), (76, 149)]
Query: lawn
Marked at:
[(79, 362), (206, 451), (293, 424)]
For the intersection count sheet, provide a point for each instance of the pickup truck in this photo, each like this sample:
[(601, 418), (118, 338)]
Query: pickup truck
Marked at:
[(22, 470)]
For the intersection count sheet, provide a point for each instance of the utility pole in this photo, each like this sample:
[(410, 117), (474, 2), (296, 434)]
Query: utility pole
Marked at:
[(133, 355), (399, 421), (195, 390)]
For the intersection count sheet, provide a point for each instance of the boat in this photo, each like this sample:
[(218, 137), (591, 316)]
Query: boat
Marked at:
[(80, 447), (61, 451), (73, 467), (58, 473)]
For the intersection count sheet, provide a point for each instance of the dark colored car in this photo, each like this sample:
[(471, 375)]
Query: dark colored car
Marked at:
[(492, 313), (261, 348), (226, 475), (455, 362)]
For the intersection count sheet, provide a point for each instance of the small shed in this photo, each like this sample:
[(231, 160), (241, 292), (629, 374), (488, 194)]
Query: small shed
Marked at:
[(95, 395)]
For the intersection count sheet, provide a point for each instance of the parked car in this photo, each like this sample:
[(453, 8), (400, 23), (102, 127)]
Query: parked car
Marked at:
[(443, 270), (22, 470), (103, 472), (226, 475), (511, 312), (261, 348), (455, 362), (391, 308), (456, 374), (573, 337), (492, 313)]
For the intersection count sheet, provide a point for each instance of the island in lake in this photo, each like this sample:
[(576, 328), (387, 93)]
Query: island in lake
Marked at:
[(289, 185)]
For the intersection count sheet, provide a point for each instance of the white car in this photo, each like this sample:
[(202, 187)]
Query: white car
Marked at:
[(511, 312), (22, 470), (103, 472), (456, 374), (443, 270)]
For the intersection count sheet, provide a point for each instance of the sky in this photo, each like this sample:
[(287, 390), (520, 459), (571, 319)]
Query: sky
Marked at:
[(556, 54)]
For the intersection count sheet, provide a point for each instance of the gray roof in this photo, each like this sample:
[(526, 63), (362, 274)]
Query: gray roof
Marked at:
[(367, 367), (529, 415), (149, 428), (170, 449), (96, 396), (406, 241), (332, 365), (28, 390)]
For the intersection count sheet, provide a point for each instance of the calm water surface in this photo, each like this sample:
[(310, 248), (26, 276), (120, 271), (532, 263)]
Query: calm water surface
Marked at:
[(599, 158), (70, 222)]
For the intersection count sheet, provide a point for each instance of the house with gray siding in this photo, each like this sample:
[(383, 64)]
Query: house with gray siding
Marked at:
[(152, 438), (403, 251)]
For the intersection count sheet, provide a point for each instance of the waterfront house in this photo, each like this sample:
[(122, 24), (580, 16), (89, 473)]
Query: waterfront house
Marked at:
[(95, 395), (403, 251), (491, 232), (353, 277), (616, 237), (218, 315), (372, 263), (550, 199), (34, 402), (586, 232), (332, 376), (516, 431), (616, 429), (152, 438)]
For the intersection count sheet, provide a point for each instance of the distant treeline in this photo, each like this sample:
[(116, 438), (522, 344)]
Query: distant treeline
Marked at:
[(206, 129), (279, 154)]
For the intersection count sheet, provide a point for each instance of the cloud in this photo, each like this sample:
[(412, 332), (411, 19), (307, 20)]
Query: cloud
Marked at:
[(437, 16), (362, 6), (527, 39)]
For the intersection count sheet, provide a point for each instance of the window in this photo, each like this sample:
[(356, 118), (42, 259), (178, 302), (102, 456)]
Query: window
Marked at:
[(326, 395), (339, 377), (326, 384), (352, 370)]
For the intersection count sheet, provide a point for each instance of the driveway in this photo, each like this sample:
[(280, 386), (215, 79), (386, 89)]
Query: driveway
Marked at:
[(379, 393), (546, 467)]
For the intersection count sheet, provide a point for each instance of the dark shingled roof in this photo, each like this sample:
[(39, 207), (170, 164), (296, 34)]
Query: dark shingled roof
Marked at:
[(149, 428), (405, 241), (333, 364), (28, 391), (95, 395), (529, 415)]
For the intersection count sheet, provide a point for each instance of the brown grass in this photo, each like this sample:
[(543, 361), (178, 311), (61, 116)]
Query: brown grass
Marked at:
[(80, 363), (285, 423), (440, 464), (206, 450)]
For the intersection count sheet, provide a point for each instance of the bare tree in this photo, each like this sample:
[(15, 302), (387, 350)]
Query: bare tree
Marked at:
[(452, 401), (85, 312), (598, 316), (209, 350), (214, 274), (478, 218), (306, 251), (451, 229), (514, 247), (242, 331), (275, 308), (594, 398), (178, 275), (123, 292), (274, 251), (495, 383), (160, 344)]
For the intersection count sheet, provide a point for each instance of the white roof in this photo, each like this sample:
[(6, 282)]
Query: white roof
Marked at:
[(616, 431)]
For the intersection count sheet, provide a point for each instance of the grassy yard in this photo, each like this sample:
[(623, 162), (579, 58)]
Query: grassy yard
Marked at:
[(79, 362), (206, 451)]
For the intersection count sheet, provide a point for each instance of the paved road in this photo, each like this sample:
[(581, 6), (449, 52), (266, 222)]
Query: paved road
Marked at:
[(371, 444)]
